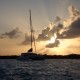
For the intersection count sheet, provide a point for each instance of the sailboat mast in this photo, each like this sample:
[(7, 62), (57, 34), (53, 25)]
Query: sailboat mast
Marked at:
[(31, 27), (32, 32)]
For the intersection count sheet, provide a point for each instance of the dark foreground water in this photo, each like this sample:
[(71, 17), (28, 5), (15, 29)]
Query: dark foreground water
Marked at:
[(54, 69)]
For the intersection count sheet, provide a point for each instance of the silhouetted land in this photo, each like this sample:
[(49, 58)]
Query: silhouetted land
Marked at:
[(71, 56), (9, 57)]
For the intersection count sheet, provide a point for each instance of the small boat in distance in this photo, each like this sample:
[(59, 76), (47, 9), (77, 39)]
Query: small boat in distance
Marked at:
[(30, 55)]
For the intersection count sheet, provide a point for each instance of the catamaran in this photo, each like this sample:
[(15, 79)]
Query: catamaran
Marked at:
[(30, 55)]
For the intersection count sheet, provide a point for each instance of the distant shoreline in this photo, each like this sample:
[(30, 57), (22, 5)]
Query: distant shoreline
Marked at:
[(70, 56)]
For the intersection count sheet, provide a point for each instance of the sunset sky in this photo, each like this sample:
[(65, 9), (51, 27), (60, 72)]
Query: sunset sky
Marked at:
[(56, 24)]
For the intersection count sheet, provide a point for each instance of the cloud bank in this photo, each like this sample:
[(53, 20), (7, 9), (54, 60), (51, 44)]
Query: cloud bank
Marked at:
[(64, 29), (15, 33)]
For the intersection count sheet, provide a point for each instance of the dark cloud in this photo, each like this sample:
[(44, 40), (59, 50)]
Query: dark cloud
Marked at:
[(73, 32), (73, 12), (57, 19), (26, 40), (44, 35), (12, 34), (48, 33)]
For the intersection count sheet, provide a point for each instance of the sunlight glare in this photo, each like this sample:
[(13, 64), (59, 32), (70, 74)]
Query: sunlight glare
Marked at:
[(52, 40)]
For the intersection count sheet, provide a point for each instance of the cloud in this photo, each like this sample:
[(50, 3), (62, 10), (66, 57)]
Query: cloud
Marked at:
[(57, 19), (49, 31), (2, 37), (27, 40), (73, 12), (73, 31), (64, 29), (44, 35), (12, 34)]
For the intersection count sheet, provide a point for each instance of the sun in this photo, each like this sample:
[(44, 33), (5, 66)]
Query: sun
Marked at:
[(52, 40)]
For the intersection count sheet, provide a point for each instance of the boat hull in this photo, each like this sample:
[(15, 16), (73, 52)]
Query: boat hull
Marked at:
[(31, 56)]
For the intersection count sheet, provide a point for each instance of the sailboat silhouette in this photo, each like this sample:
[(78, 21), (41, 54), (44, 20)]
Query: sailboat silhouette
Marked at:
[(30, 55)]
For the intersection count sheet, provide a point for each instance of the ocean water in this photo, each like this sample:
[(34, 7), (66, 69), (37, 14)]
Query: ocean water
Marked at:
[(51, 69)]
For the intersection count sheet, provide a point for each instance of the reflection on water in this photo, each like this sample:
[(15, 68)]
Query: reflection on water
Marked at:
[(54, 69)]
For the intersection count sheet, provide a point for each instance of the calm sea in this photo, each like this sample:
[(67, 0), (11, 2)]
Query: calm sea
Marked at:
[(51, 69)]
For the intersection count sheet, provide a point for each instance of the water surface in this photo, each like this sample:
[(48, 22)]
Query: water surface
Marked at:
[(51, 69)]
